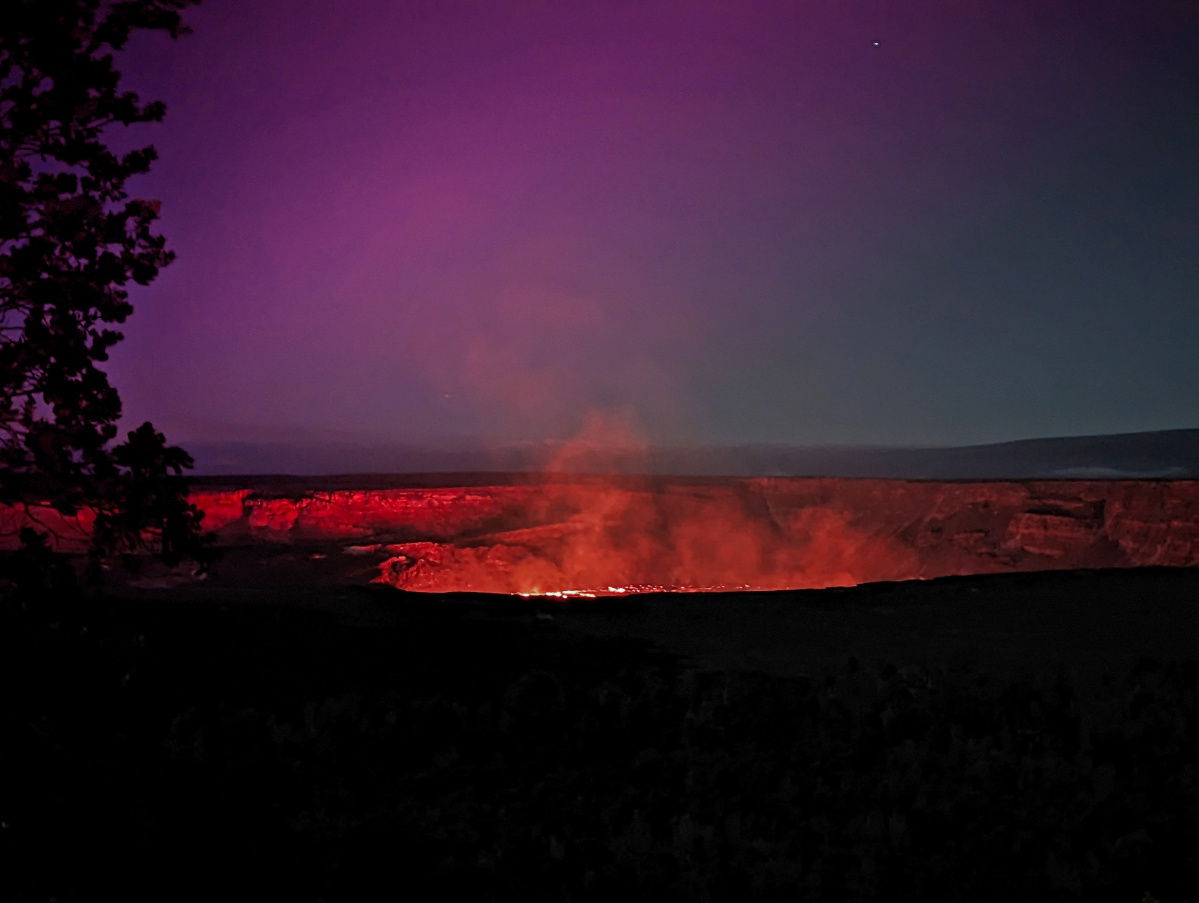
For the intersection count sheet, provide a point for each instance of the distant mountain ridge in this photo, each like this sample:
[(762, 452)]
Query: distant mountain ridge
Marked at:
[(1164, 454)]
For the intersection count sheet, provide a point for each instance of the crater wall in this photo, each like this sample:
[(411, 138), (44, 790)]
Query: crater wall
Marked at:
[(596, 535)]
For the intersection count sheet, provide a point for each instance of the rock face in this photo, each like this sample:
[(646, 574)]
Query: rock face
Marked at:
[(768, 533)]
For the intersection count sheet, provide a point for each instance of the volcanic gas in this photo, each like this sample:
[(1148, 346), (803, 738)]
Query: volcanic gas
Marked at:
[(581, 537)]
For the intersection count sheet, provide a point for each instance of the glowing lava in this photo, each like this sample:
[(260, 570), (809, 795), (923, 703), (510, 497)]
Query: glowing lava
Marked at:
[(601, 539), (628, 590), (591, 537)]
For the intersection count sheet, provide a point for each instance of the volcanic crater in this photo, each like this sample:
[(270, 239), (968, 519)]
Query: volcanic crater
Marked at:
[(588, 536)]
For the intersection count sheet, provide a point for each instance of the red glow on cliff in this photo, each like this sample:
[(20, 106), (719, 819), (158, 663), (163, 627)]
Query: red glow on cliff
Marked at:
[(588, 537), (607, 539)]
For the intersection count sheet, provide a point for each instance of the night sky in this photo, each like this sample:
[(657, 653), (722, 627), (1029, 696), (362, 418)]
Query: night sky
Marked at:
[(814, 222)]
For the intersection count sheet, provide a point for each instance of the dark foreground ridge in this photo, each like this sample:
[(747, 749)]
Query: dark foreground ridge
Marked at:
[(341, 743)]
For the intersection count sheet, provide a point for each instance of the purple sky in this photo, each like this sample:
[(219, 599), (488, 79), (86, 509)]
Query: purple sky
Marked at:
[(811, 222)]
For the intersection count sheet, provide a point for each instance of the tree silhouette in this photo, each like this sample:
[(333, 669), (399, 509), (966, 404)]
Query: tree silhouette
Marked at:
[(71, 241), (154, 511)]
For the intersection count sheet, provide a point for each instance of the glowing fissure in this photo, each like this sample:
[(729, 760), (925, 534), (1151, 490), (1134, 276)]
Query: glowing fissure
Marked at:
[(626, 590)]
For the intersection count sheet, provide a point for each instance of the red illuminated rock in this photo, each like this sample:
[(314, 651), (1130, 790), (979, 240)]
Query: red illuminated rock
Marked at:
[(497, 568), (67, 532), (220, 509), (768, 533)]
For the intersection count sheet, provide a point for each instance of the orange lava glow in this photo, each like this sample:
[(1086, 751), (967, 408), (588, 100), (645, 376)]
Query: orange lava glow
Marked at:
[(628, 591), (594, 537), (610, 540), (604, 539)]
